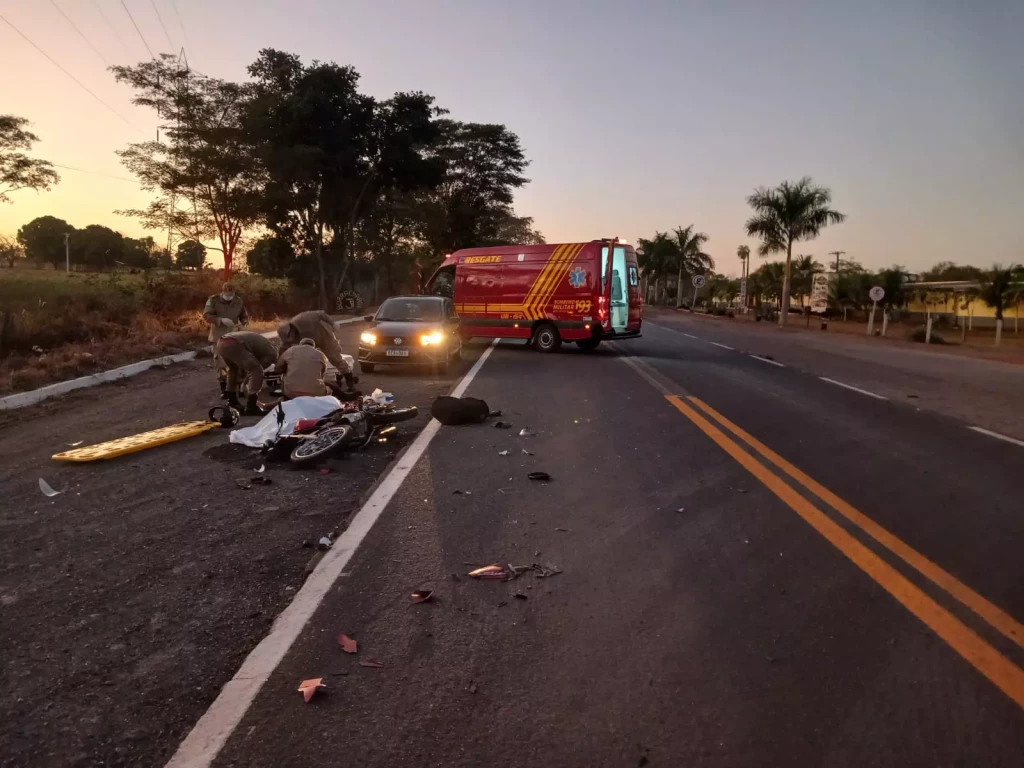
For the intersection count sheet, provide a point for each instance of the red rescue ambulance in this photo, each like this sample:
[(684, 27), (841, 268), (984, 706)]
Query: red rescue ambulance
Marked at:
[(571, 292)]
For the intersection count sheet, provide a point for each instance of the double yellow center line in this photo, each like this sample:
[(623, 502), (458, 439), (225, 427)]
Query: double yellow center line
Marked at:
[(1006, 675)]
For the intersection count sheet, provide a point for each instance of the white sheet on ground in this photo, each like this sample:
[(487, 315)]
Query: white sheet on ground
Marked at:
[(260, 433)]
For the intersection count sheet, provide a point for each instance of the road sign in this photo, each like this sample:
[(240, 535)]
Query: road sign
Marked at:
[(877, 293), (698, 281)]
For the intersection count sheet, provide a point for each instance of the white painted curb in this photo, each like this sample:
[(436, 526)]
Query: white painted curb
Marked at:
[(21, 399)]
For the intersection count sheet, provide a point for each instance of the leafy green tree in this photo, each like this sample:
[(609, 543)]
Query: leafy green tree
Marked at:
[(140, 253), (270, 256), (97, 246), (330, 155), (191, 254), (162, 259), (690, 259), (10, 250), (790, 213), (204, 169), (997, 289), (804, 270), (894, 282), (769, 280), (18, 170), (43, 239), (948, 271)]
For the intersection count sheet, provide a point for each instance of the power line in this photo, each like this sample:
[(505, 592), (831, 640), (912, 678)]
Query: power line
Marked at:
[(184, 34), (74, 27), (110, 26), (96, 173), (160, 19), (141, 36), (75, 79)]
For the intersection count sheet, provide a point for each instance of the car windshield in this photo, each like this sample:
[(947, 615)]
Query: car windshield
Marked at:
[(410, 310)]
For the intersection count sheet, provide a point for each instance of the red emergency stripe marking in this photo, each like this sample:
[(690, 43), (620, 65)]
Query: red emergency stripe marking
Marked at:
[(563, 255), (531, 302), (560, 273)]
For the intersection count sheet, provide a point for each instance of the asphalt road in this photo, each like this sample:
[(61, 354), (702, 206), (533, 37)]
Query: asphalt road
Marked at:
[(759, 567)]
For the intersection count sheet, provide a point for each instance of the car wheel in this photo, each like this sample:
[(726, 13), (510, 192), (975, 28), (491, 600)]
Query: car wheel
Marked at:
[(588, 345), (546, 338)]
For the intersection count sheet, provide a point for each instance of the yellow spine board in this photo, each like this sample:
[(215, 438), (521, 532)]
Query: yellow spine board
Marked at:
[(135, 443)]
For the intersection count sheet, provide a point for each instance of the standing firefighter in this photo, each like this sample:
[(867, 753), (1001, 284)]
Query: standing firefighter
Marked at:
[(319, 327), (225, 313), (245, 354)]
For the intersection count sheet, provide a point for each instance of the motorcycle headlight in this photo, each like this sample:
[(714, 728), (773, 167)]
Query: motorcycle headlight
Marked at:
[(435, 337), (368, 338)]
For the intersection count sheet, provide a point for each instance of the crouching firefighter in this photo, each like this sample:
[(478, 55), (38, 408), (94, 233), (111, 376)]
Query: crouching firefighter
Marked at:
[(303, 367), (224, 312), (319, 327), (246, 355)]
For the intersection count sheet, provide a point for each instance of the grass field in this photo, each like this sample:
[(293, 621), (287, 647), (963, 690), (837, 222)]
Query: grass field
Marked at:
[(55, 326)]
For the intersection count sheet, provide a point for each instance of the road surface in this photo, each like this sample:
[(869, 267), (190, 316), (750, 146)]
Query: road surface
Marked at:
[(758, 567)]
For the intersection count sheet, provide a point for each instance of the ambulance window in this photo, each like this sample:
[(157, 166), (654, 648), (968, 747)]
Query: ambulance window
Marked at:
[(634, 279), (444, 283)]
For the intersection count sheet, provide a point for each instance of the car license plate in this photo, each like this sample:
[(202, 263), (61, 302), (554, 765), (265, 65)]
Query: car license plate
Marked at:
[(398, 353)]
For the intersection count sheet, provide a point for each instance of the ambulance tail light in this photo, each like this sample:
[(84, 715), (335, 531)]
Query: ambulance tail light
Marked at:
[(602, 308)]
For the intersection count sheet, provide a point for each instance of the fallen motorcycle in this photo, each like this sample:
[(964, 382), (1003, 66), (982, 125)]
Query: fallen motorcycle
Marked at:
[(358, 422)]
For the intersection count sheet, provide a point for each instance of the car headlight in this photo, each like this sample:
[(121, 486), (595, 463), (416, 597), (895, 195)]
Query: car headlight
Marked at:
[(368, 338), (436, 337)]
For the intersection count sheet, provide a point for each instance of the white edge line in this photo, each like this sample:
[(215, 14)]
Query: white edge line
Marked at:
[(723, 346), (855, 389), (766, 360), (206, 739), (22, 399), (671, 330), (997, 436)]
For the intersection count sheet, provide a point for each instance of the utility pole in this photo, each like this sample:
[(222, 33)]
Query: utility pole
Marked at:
[(67, 254), (837, 254)]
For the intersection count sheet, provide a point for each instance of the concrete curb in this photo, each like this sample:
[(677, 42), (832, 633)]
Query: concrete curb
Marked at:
[(22, 399)]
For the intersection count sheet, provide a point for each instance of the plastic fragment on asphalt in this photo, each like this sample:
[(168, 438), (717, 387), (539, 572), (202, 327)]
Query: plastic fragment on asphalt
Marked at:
[(372, 663), (489, 572), (503, 453), (348, 645), (308, 687), (502, 425), (519, 596), (243, 484), (325, 471), (75, 444), (526, 452), (47, 490), (422, 595), (263, 468), (524, 432), (324, 543), (681, 509), (542, 477)]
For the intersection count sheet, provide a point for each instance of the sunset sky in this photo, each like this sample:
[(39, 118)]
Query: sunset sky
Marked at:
[(635, 116)]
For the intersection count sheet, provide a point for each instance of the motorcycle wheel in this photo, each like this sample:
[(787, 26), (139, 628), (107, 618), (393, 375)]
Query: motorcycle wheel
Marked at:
[(390, 415), (326, 441)]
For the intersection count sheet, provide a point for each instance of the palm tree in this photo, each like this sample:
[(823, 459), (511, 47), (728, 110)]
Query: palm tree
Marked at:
[(792, 212), (656, 258), (804, 270), (997, 287), (690, 260), (743, 252), (768, 279)]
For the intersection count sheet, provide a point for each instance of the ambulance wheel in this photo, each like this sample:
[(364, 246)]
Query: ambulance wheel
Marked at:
[(367, 367), (588, 345), (546, 338)]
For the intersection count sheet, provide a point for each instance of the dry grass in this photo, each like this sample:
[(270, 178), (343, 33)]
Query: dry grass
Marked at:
[(56, 326)]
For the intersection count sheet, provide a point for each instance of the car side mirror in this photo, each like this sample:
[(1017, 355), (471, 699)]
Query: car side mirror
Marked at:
[(368, 318)]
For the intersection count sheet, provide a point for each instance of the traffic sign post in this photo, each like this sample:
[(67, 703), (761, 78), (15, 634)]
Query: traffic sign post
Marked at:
[(698, 283), (877, 293)]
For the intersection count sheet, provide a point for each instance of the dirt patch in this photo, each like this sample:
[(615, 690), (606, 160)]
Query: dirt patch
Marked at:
[(127, 601)]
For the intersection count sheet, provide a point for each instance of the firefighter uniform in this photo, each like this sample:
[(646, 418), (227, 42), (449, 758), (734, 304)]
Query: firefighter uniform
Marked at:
[(303, 368), (224, 312), (319, 327), (245, 354)]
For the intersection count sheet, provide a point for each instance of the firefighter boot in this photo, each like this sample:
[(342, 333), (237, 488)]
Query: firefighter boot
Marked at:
[(350, 382), (223, 382), (232, 399), (252, 407)]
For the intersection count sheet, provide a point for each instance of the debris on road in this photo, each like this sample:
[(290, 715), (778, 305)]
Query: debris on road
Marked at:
[(242, 483), (472, 688), (306, 543), (490, 572), (526, 452), (47, 489), (75, 444), (502, 425), (519, 596), (503, 603), (562, 530), (308, 687), (260, 480), (262, 469), (422, 595), (456, 411), (325, 471), (457, 492), (681, 509), (324, 543), (348, 645), (503, 453), (542, 477), (372, 663), (524, 432)]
